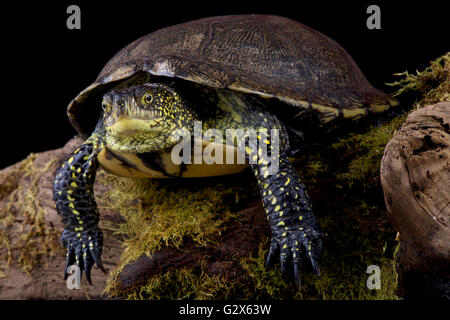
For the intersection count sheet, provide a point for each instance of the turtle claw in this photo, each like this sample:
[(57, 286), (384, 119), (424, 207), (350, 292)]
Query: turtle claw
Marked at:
[(294, 247), (98, 260), (87, 271), (273, 250), (314, 265), (297, 279), (83, 249), (314, 253), (284, 267), (70, 259)]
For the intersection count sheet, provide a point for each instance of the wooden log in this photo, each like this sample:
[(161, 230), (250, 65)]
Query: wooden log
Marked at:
[(415, 176), (32, 259)]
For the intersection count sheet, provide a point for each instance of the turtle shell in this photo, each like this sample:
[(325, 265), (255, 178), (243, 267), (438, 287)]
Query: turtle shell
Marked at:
[(271, 56)]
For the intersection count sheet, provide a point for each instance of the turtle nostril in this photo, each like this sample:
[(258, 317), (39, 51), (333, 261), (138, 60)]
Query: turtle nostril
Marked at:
[(118, 98), (120, 103)]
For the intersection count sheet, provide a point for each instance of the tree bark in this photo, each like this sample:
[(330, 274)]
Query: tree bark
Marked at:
[(415, 175)]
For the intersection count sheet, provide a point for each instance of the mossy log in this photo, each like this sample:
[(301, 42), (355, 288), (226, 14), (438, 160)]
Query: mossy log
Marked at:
[(220, 259), (200, 239), (31, 257), (415, 176)]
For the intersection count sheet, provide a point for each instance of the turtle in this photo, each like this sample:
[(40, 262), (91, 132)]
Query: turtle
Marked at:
[(176, 92)]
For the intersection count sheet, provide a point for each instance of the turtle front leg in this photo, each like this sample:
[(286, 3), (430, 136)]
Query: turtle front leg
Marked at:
[(73, 193), (295, 232)]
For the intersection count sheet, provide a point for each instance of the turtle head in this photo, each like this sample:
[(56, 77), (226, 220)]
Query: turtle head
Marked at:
[(143, 118)]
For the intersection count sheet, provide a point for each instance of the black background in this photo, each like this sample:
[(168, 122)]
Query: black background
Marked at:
[(43, 65)]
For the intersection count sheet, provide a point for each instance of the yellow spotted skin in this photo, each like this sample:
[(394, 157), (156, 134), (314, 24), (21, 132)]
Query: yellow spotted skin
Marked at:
[(135, 135), (74, 199), (295, 232), (296, 238)]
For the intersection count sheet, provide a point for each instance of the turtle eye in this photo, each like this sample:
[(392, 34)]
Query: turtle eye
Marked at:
[(148, 98), (106, 107)]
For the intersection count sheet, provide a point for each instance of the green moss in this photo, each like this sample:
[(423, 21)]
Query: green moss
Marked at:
[(433, 83), (23, 216), (349, 249), (357, 236), (184, 283), (314, 167), (261, 283), (367, 150), (164, 213)]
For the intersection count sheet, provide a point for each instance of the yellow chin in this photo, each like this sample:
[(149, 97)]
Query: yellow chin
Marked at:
[(130, 126), (131, 135)]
